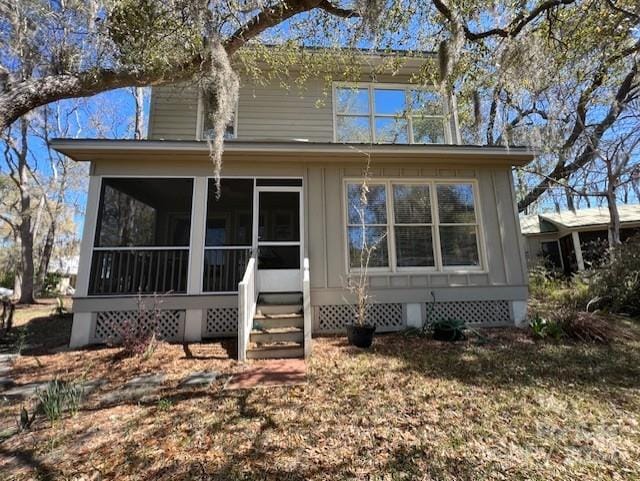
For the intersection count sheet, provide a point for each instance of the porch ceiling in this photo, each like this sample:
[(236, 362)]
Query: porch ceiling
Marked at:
[(294, 151)]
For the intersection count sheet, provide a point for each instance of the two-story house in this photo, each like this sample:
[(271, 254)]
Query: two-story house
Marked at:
[(280, 242)]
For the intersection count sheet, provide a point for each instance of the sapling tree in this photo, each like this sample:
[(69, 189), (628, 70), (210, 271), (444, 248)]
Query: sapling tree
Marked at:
[(358, 279)]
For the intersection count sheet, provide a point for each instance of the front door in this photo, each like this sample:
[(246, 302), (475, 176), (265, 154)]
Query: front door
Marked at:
[(279, 238)]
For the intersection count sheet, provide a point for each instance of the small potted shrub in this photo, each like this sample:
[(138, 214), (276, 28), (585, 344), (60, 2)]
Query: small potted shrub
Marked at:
[(449, 330)]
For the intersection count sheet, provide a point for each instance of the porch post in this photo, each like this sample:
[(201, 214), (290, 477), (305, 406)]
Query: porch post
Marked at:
[(82, 321), (88, 234), (194, 317), (578, 250)]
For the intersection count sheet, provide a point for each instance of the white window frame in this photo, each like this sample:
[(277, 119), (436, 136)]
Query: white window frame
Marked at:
[(391, 241), (386, 226), (372, 87), (200, 118), (432, 225)]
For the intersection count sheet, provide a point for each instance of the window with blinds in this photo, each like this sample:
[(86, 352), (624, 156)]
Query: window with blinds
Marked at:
[(457, 225), (417, 225), (367, 226), (413, 225)]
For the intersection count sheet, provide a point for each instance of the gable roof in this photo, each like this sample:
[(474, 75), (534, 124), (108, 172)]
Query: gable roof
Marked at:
[(570, 220)]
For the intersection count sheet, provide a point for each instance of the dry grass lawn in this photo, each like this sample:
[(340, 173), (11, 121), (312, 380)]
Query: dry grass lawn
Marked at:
[(409, 408)]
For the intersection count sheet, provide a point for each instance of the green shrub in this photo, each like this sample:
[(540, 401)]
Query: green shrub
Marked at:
[(616, 283), (573, 294), (448, 330), (58, 397), (542, 328), (51, 281)]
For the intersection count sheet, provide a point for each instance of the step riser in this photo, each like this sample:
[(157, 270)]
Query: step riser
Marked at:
[(276, 353), (277, 337), (279, 323), (281, 309), (280, 298)]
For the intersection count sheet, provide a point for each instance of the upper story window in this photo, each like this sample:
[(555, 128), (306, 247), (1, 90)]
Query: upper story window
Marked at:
[(388, 114), (207, 123)]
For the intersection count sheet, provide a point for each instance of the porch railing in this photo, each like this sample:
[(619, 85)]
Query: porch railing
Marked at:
[(306, 303), (224, 268), (247, 299), (132, 270)]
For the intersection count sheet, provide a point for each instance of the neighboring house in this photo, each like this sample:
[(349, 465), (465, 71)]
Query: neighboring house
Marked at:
[(570, 241), (67, 269), (285, 229)]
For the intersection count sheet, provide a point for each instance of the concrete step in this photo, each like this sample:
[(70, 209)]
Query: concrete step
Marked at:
[(277, 335), (280, 298), (276, 352), (277, 322), (272, 309)]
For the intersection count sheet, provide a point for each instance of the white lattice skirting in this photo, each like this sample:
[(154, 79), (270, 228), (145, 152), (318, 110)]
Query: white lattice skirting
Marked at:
[(221, 322), (169, 324), (473, 312), (335, 318)]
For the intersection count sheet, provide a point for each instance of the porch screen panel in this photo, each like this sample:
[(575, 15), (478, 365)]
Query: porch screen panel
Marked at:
[(142, 236), (458, 225), (228, 237)]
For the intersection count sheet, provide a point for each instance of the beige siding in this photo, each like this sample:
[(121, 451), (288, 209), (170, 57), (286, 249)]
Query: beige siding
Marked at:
[(327, 252), (174, 113), (273, 112), (264, 111), (504, 276)]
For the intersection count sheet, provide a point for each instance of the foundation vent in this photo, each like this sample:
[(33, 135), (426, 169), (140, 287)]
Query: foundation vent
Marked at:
[(473, 312), (335, 318), (221, 322), (169, 324)]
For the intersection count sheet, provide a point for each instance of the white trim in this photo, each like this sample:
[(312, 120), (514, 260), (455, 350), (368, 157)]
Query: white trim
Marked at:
[(371, 87), (91, 150), (481, 268), (265, 273)]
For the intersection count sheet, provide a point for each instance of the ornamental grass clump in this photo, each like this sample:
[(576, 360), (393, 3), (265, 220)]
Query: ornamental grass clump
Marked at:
[(59, 397)]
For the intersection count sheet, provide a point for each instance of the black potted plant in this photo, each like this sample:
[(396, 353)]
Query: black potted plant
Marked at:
[(449, 330)]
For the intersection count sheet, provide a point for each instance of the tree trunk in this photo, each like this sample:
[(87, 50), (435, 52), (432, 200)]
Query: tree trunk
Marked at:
[(26, 256), (614, 222), (25, 231), (45, 258)]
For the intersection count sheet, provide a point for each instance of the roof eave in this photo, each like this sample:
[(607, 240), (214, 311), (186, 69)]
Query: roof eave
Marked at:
[(103, 149)]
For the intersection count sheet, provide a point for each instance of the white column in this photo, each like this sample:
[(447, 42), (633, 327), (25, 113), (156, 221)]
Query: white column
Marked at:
[(88, 235), (196, 246), (194, 317), (414, 315), (81, 329), (578, 250), (519, 313), (82, 321)]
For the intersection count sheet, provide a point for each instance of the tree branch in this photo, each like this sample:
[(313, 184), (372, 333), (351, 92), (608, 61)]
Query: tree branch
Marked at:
[(514, 27), (627, 92)]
